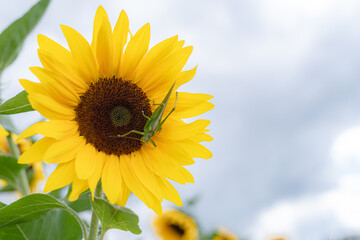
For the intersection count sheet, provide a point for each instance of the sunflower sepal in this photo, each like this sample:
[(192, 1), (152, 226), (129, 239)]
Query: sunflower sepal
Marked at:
[(41, 212), (17, 104), (114, 216)]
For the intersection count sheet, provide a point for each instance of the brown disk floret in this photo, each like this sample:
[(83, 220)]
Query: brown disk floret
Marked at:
[(109, 108), (178, 229)]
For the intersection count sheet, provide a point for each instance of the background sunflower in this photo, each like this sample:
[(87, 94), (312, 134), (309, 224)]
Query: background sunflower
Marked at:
[(175, 225)]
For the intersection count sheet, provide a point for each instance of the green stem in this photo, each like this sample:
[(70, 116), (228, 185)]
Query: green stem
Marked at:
[(0, 87), (94, 225), (82, 225), (102, 235), (23, 180)]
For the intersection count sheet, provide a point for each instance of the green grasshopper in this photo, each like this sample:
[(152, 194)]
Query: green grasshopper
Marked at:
[(154, 122)]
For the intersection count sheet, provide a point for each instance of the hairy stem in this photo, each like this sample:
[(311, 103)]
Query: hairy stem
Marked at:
[(94, 225)]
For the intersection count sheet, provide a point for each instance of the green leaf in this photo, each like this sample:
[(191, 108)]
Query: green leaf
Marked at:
[(56, 225), (82, 203), (38, 217), (13, 37), (10, 170), (113, 216), (2, 204), (18, 104), (28, 208)]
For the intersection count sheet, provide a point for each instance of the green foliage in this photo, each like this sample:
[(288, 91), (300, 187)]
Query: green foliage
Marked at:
[(38, 216), (56, 225), (82, 203), (10, 171), (28, 208), (13, 37), (18, 104), (113, 216)]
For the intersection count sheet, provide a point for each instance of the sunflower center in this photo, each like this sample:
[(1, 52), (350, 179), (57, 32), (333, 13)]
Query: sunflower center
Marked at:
[(110, 108), (120, 116), (176, 228)]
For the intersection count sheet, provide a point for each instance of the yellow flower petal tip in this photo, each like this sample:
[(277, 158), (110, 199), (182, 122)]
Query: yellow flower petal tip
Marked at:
[(98, 96), (3, 132)]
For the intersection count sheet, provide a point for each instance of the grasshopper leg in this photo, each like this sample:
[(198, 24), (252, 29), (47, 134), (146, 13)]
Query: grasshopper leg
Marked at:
[(152, 142), (142, 111), (132, 131), (172, 110)]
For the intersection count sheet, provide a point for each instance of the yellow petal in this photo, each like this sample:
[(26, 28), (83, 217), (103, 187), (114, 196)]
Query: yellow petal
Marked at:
[(136, 186), (50, 108), (188, 104), (56, 58), (163, 75), (36, 152), (57, 129), (81, 52), (195, 149), (124, 194), (158, 162), (85, 162), (169, 191), (202, 137), (78, 187), (63, 175), (178, 130), (93, 180), (32, 87), (134, 52), (155, 55), (56, 87), (146, 176), (184, 77), (111, 177), (50, 46), (103, 43), (121, 32), (64, 150), (3, 132), (174, 152)]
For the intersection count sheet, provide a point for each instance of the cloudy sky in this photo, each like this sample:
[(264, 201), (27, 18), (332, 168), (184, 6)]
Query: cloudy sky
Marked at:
[(285, 78)]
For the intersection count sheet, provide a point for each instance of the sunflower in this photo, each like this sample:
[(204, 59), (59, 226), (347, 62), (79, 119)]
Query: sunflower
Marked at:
[(175, 225), (224, 234), (97, 92), (34, 171)]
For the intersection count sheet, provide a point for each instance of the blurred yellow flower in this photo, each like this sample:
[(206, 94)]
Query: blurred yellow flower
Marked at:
[(175, 225), (94, 93), (36, 168), (3, 132), (224, 234)]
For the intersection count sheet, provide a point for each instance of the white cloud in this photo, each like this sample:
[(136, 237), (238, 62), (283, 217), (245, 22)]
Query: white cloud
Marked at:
[(325, 215)]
